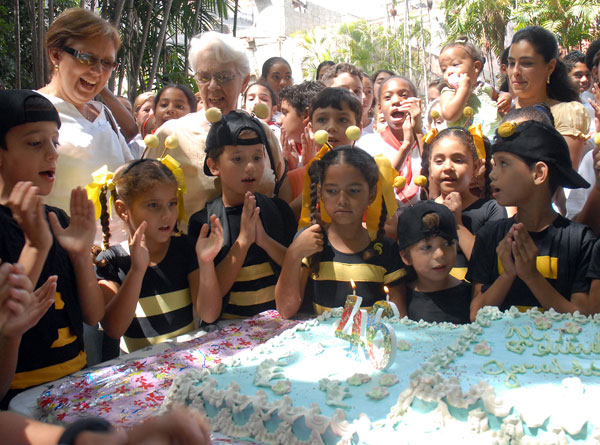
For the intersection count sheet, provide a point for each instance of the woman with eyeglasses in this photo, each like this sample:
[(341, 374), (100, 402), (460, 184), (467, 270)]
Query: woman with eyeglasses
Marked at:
[(82, 49), (221, 68)]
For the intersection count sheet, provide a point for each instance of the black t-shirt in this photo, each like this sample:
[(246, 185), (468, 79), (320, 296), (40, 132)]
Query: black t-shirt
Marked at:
[(451, 305), (564, 253), (254, 289), (594, 269), (39, 355), (474, 217)]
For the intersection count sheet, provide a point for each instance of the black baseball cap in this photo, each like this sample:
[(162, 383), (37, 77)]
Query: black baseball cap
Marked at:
[(19, 107), (227, 132), (411, 229), (536, 141)]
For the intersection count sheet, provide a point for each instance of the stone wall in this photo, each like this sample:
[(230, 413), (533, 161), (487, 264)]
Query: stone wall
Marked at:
[(305, 18)]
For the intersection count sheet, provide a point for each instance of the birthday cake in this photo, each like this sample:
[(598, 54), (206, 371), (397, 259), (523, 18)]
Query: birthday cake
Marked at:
[(506, 378)]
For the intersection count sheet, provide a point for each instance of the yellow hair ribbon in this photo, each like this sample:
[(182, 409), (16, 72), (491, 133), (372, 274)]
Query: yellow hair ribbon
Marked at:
[(477, 134), (430, 136), (100, 178), (305, 214), (175, 167), (385, 194)]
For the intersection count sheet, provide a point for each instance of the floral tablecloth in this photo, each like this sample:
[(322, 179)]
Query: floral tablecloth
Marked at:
[(132, 390)]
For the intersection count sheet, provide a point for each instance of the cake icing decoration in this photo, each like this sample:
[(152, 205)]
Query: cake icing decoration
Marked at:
[(378, 393), (403, 345), (282, 387), (482, 348), (358, 379), (388, 380), (335, 392)]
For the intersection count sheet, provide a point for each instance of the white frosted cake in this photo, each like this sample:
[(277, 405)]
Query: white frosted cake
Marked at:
[(507, 378)]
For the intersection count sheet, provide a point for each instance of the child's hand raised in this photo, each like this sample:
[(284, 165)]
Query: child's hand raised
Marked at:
[(504, 102), (596, 162), (288, 146), (207, 247), (77, 239), (247, 235), (524, 252), (309, 147), (138, 251), (454, 202), (504, 251), (308, 242), (464, 80), (23, 309), (28, 210)]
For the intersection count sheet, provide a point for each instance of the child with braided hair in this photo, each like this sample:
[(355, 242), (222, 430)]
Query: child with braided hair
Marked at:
[(322, 259), (152, 284)]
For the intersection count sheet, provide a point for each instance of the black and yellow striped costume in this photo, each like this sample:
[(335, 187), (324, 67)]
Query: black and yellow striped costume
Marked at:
[(164, 309), (53, 348), (254, 288), (332, 285)]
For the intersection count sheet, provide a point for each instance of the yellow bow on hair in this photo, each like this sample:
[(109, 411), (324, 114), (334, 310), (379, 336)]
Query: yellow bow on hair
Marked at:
[(100, 178), (175, 167), (385, 195), (304, 220), (430, 136), (477, 134)]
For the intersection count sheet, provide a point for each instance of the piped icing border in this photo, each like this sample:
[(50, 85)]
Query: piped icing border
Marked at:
[(426, 384)]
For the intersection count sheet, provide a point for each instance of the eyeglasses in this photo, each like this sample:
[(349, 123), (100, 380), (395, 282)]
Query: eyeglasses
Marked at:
[(220, 78), (88, 59)]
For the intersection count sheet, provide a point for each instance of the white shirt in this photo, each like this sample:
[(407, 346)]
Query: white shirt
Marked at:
[(84, 147)]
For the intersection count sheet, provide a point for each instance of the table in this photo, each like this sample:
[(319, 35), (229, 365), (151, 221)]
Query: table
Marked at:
[(127, 390)]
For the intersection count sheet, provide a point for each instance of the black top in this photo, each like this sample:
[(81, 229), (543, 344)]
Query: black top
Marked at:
[(37, 349), (594, 269), (331, 287), (473, 218), (254, 289), (564, 253), (451, 305), (165, 307)]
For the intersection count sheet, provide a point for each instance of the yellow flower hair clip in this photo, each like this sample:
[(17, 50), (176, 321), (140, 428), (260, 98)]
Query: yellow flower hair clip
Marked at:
[(477, 135), (175, 167), (101, 179), (430, 136), (507, 129)]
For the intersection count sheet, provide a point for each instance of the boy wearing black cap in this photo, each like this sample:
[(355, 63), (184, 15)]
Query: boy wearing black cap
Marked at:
[(257, 229), (537, 257), (427, 239), (51, 347)]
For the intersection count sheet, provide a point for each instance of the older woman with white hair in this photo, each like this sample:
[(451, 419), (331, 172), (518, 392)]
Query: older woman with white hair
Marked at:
[(221, 69)]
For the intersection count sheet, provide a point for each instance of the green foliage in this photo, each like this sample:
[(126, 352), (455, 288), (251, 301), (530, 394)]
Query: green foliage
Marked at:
[(571, 20), (368, 46), (485, 21), (183, 21), (8, 43)]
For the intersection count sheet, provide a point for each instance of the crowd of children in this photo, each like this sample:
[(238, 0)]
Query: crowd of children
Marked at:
[(455, 249)]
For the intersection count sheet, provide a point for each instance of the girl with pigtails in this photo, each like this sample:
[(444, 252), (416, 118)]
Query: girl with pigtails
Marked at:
[(323, 258), (151, 284)]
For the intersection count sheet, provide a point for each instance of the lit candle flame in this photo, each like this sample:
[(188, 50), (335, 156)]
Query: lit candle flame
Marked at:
[(353, 286), (387, 293)]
